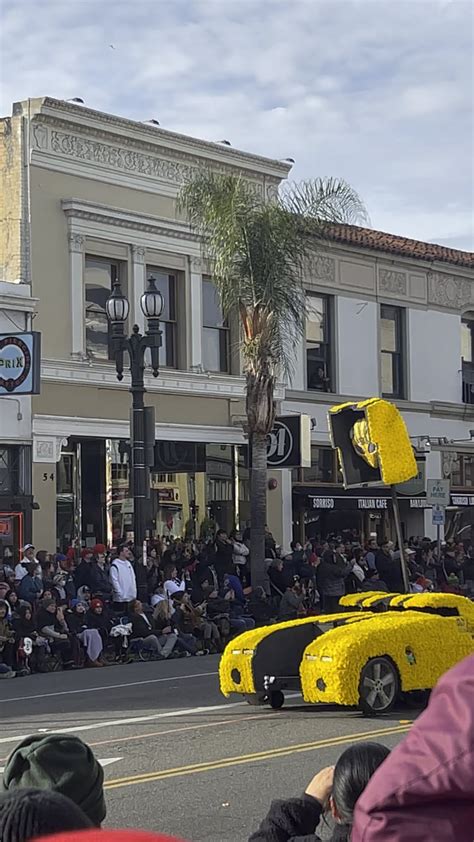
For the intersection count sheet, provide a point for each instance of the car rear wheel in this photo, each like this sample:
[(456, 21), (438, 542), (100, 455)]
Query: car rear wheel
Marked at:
[(276, 699), (379, 686)]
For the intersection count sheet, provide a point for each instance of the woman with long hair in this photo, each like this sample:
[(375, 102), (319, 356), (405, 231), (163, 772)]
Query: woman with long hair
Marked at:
[(333, 790)]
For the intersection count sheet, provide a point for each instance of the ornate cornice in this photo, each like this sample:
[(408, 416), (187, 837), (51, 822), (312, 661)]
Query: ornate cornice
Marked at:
[(77, 209), (96, 148), (102, 124)]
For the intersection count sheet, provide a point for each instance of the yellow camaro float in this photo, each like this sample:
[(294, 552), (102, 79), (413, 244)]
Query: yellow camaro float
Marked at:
[(381, 645)]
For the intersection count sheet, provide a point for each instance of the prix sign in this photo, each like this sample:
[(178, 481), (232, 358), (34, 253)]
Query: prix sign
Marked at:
[(289, 442), (20, 359)]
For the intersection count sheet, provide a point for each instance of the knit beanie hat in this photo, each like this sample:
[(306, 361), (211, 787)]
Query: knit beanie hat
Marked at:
[(110, 836), (28, 813), (59, 762)]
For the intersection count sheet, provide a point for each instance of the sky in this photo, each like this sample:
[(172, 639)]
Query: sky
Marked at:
[(379, 92)]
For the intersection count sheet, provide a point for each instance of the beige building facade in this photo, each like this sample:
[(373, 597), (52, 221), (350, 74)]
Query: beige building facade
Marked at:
[(90, 198)]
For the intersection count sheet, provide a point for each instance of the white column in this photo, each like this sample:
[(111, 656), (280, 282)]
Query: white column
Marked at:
[(194, 321), (287, 508), (76, 278), (138, 285)]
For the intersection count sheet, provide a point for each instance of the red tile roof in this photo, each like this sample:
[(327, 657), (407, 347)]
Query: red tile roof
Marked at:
[(353, 235)]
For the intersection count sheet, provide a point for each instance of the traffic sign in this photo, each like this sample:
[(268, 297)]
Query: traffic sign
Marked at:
[(437, 492), (438, 515)]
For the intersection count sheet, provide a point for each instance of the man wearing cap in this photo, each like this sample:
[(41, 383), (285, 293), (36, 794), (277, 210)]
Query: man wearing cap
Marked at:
[(82, 574), (62, 763), (21, 570)]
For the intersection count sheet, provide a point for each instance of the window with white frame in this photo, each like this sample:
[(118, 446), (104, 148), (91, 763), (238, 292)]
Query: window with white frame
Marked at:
[(166, 282), (215, 330), (318, 343), (392, 333), (100, 275)]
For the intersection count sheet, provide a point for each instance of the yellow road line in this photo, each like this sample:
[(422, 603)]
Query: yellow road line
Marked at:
[(283, 751)]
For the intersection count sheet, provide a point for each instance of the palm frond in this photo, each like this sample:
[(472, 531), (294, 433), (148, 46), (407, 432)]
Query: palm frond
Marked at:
[(324, 200)]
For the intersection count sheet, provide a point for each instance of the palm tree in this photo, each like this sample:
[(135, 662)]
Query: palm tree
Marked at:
[(257, 252)]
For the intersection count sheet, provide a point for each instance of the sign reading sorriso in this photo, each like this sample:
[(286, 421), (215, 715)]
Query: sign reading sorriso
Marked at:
[(20, 360)]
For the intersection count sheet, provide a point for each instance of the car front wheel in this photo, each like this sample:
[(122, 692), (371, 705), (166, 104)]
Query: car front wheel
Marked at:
[(379, 686)]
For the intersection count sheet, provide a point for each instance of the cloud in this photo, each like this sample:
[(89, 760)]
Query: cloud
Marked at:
[(376, 91)]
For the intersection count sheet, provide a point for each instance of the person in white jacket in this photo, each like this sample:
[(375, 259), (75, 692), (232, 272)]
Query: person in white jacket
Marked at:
[(240, 553), (122, 577)]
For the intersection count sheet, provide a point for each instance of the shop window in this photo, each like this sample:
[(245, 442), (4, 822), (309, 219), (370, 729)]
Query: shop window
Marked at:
[(215, 330), (318, 344), (15, 469), (392, 346), (100, 275), (467, 358), (8, 480), (462, 471), (323, 468), (167, 284)]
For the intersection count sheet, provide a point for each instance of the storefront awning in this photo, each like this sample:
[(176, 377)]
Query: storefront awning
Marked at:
[(361, 499)]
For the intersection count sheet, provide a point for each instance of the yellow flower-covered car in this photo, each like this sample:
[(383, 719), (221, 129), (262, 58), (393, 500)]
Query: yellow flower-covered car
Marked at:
[(355, 658), (262, 663), (406, 648)]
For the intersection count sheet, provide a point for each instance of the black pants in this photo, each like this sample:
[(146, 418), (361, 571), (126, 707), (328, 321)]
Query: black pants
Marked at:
[(120, 608), (331, 604)]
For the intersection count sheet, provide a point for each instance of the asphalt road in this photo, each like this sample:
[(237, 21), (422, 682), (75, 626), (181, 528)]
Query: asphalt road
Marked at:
[(178, 756)]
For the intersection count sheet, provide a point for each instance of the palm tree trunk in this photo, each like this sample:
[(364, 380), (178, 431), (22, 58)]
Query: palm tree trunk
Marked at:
[(258, 509)]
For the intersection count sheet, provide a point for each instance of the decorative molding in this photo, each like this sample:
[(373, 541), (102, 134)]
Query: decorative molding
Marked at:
[(138, 254), (448, 291), (100, 124), (75, 242), (18, 303), (90, 212), (196, 264), (321, 268), (190, 383), (43, 425), (47, 448), (61, 144), (392, 282)]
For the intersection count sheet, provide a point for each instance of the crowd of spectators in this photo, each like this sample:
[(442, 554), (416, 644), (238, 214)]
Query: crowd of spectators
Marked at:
[(66, 611)]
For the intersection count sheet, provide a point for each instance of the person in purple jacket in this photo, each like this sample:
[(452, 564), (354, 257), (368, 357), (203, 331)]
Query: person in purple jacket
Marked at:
[(425, 789)]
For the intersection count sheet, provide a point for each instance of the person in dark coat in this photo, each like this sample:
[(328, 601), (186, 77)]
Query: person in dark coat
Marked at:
[(223, 556), (31, 586), (279, 579), (336, 787), (389, 569), (330, 576), (98, 575), (292, 603)]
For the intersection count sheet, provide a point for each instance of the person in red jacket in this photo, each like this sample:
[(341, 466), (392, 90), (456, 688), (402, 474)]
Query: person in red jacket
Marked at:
[(425, 789)]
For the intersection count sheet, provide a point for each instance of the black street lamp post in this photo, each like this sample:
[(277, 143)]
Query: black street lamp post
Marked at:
[(142, 424)]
